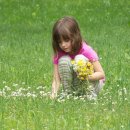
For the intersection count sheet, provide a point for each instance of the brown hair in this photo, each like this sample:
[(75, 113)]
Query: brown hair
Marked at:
[(67, 29)]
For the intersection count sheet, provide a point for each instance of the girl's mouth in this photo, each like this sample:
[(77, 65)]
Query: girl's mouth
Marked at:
[(65, 49)]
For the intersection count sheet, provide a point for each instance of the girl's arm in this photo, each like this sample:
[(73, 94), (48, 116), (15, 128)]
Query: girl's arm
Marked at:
[(55, 82), (98, 72)]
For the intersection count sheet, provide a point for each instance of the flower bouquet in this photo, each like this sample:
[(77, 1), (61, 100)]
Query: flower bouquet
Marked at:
[(82, 67)]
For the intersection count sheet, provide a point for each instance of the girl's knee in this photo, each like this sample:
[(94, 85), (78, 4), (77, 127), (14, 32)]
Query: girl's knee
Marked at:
[(80, 57), (64, 60)]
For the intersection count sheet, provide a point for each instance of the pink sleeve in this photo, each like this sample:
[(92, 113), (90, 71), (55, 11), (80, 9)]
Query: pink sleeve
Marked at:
[(56, 57), (90, 54)]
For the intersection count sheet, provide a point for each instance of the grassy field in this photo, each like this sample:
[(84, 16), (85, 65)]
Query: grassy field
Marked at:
[(26, 65)]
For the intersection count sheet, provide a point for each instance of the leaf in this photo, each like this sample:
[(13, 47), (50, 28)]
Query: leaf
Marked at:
[(127, 56)]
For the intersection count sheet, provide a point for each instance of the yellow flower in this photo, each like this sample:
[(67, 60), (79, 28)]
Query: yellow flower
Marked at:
[(80, 73), (89, 64), (83, 69), (72, 62), (82, 78), (80, 63)]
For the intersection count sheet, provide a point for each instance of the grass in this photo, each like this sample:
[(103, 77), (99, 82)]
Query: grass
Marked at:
[(26, 64)]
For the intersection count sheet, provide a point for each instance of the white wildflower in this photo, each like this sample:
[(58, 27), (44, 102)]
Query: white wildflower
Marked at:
[(76, 97), (41, 92), (126, 99), (68, 97), (82, 98), (15, 85), (119, 92), (28, 88), (113, 110), (4, 82), (88, 125), (7, 88), (122, 126), (1, 93), (21, 89), (44, 95), (39, 87), (60, 100), (125, 91), (34, 95), (28, 94), (48, 93), (16, 94), (23, 83)]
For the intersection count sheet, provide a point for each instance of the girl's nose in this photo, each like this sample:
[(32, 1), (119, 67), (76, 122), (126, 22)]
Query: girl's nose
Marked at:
[(63, 44)]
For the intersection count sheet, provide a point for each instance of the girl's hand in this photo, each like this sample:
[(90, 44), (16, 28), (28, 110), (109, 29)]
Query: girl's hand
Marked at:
[(90, 77), (55, 83), (98, 72)]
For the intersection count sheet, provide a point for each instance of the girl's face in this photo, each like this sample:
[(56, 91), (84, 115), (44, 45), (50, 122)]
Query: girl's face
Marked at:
[(66, 46)]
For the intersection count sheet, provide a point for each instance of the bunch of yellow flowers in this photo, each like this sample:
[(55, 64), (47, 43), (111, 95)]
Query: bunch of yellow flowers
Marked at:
[(82, 68)]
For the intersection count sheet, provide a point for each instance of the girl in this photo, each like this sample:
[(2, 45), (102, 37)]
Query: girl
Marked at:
[(67, 45)]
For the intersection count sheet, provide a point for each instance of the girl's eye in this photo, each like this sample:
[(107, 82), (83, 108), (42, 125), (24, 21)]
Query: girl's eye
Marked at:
[(66, 40), (59, 42)]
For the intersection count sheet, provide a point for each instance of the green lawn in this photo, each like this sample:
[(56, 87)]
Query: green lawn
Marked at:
[(26, 65)]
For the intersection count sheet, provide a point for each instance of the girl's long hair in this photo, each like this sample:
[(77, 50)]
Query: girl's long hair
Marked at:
[(66, 29)]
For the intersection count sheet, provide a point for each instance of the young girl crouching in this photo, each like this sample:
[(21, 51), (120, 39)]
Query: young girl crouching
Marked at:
[(68, 45)]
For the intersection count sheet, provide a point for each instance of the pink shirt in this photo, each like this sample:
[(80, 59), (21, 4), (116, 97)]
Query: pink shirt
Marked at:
[(85, 50)]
